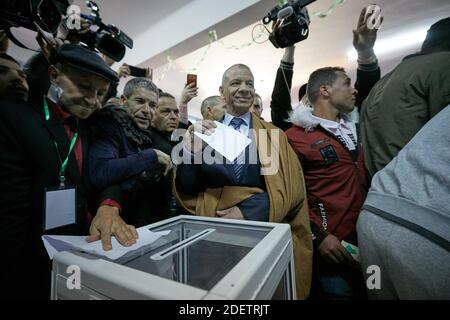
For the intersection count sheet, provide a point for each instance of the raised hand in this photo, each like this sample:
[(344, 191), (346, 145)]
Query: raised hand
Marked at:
[(365, 35), (189, 93)]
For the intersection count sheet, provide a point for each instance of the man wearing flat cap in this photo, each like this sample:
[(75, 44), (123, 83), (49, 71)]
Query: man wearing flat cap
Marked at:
[(44, 186)]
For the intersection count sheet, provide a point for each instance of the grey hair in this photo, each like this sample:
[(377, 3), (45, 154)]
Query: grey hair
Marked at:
[(209, 102), (257, 96), (135, 83), (239, 65)]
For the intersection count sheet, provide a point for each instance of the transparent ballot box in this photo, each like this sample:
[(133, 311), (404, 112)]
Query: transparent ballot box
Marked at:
[(201, 258)]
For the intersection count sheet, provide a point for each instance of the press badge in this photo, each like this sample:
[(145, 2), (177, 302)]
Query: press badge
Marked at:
[(60, 207)]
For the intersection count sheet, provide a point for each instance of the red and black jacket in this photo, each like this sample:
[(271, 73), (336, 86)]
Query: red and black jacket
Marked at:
[(335, 179)]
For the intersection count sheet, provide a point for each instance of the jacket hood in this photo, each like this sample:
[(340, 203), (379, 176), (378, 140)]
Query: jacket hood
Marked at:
[(302, 117)]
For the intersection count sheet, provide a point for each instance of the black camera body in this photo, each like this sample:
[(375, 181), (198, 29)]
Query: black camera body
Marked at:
[(47, 15), (295, 25), (108, 39)]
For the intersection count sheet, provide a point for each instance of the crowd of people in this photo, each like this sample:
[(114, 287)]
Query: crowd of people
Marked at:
[(366, 165)]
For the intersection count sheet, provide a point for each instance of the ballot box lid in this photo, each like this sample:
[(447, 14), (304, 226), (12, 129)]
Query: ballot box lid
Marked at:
[(198, 253), (200, 258)]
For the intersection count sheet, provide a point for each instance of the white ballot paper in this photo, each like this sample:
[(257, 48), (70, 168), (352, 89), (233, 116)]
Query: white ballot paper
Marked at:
[(228, 142), (55, 244)]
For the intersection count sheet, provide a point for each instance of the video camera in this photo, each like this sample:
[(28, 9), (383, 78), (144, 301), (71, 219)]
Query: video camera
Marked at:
[(32, 14), (108, 39), (295, 25), (47, 15)]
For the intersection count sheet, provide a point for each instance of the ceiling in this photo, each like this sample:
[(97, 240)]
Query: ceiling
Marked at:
[(329, 41)]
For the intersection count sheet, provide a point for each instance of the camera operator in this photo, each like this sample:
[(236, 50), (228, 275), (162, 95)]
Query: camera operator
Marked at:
[(326, 141), (44, 148), (107, 39), (368, 74)]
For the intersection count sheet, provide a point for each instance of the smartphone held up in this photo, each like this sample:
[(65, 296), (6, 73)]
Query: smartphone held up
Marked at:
[(139, 72), (192, 78)]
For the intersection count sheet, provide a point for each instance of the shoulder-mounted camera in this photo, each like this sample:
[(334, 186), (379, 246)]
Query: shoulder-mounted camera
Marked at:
[(47, 15)]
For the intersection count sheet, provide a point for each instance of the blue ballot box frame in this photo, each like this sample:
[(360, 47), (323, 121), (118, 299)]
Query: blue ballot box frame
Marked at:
[(246, 260)]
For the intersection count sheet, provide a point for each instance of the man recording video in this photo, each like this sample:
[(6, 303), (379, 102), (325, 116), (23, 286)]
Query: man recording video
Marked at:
[(368, 73)]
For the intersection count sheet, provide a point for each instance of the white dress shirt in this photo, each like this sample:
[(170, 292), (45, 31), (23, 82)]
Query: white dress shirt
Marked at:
[(245, 127), (344, 130)]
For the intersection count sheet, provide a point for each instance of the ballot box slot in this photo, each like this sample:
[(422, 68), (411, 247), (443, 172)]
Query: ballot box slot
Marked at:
[(179, 246)]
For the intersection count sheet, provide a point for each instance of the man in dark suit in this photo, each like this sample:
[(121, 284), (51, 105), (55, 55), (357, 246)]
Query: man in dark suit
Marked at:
[(239, 96), (46, 147), (255, 186)]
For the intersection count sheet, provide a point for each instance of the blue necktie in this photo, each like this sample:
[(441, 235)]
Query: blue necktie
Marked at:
[(238, 164)]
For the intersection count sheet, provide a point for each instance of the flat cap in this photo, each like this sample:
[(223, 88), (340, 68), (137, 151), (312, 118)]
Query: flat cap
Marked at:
[(86, 60)]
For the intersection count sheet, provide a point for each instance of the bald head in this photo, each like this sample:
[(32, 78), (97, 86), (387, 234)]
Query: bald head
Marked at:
[(213, 108), (238, 89), (233, 67), (257, 107)]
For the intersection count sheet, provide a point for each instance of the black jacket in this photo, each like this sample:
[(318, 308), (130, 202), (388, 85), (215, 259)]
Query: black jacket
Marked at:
[(162, 142), (29, 163), (123, 154)]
